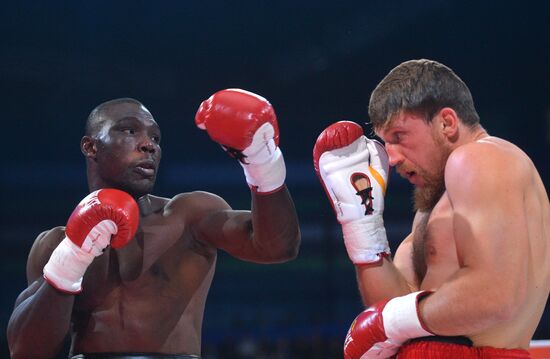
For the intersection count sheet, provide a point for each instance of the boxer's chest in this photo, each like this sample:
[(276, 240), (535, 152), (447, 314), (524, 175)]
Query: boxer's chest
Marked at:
[(434, 249), (155, 239), (147, 263)]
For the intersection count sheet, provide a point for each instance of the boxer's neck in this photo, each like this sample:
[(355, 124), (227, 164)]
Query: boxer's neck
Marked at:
[(145, 206)]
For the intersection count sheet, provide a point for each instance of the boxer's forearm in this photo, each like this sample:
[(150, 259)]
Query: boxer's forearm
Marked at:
[(381, 281), (39, 324), (275, 225)]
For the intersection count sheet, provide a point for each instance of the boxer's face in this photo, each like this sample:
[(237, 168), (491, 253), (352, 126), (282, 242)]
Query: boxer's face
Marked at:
[(418, 152), (128, 148)]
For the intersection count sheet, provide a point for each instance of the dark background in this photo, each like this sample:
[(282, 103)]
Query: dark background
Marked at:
[(316, 61)]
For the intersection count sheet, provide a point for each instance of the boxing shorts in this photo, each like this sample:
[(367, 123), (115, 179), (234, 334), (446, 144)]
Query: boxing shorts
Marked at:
[(134, 356), (439, 347)]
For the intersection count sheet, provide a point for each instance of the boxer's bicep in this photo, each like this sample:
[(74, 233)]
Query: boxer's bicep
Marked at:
[(489, 223), (218, 225), (39, 254), (235, 235), (229, 227), (269, 235), (486, 199)]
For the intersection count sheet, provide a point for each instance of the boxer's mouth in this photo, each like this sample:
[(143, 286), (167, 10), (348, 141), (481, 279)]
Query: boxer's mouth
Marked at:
[(408, 175), (147, 168)]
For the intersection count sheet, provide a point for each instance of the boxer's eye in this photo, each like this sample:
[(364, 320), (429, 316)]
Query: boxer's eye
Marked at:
[(397, 137)]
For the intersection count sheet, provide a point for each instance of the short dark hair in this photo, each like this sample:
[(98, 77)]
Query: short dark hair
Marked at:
[(94, 117), (423, 87)]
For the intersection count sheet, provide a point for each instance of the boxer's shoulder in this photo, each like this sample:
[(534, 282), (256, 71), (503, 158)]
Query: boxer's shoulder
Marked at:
[(486, 159), (202, 199), (489, 151), (196, 205), (41, 250), (49, 239)]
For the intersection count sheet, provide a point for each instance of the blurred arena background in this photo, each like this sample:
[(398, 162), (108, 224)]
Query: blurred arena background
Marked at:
[(316, 61)]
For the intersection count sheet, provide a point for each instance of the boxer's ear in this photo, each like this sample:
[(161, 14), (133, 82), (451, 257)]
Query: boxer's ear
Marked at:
[(447, 122), (88, 147)]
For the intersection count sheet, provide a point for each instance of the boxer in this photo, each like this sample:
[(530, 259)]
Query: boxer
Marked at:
[(129, 274), (472, 278)]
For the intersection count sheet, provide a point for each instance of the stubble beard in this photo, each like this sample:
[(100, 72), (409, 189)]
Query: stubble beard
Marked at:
[(426, 197)]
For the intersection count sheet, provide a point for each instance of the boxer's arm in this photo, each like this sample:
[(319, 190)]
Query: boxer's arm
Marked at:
[(275, 233), (485, 187), (41, 317), (390, 279), (269, 233), (246, 127)]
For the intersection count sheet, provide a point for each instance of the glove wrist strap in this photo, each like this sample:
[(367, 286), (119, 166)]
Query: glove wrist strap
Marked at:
[(66, 267), (402, 319), (268, 176), (365, 239)]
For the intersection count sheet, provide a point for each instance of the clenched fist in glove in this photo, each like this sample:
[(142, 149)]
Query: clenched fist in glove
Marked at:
[(380, 330), (104, 217), (354, 172), (245, 125)]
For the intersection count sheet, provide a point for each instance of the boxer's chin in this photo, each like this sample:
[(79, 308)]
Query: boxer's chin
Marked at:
[(138, 188), (427, 196)]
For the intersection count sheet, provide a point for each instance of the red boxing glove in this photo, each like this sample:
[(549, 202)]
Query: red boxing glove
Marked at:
[(232, 116), (380, 330), (105, 216), (104, 205), (245, 125)]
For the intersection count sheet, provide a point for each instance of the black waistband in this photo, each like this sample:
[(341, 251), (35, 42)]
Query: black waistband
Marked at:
[(134, 356), (441, 339)]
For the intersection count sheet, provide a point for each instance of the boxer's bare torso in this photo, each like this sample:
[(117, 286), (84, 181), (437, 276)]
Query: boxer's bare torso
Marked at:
[(150, 295), (429, 258)]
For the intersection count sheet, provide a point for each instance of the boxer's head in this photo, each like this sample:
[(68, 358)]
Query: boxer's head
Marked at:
[(122, 147), (421, 109), (423, 87)]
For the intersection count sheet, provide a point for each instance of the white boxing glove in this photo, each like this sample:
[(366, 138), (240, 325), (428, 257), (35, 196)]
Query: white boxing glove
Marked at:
[(354, 172)]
